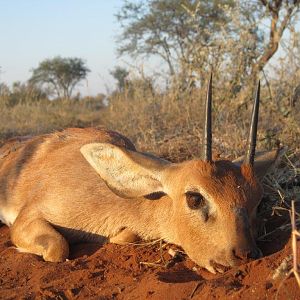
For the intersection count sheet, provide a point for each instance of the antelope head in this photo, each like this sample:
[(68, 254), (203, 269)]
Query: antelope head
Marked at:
[(207, 207)]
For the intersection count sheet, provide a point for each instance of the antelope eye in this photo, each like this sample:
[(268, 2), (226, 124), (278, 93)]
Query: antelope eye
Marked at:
[(194, 200)]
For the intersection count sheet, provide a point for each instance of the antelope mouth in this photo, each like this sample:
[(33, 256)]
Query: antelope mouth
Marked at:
[(220, 268)]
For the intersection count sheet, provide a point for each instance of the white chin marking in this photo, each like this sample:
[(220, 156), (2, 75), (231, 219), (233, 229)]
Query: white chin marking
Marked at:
[(21, 250), (210, 269)]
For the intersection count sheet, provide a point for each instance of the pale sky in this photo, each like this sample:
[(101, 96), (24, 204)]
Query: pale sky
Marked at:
[(32, 30)]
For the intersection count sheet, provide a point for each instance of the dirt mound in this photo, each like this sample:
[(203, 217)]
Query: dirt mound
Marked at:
[(143, 272)]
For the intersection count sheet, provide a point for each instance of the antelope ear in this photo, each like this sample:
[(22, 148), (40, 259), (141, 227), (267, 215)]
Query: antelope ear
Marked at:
[(264, 161), (128, 174)]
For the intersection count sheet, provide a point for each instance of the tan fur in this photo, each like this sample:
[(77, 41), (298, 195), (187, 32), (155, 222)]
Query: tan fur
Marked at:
[(51, 194)]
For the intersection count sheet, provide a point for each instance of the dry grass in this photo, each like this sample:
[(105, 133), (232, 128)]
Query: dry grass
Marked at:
[(169, 125), (46, 116)]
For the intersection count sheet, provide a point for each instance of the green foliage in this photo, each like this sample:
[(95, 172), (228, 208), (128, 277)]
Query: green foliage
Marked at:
[(234, 38), (60, 75), (164, 28), (120, 74)]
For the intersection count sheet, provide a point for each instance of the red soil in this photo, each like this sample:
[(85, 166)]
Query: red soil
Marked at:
[(118, 272)]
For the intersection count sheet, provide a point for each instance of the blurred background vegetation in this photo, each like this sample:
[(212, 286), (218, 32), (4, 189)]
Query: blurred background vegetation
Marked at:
[(162, 112)]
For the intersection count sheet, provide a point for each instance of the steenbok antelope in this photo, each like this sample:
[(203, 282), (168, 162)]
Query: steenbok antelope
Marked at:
[(93, 185)]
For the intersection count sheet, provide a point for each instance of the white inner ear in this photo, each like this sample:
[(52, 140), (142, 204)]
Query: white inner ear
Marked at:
[(127, 173)]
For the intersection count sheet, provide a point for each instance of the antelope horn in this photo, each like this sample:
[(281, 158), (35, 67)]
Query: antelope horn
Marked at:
[(251, 143), (207, 135)]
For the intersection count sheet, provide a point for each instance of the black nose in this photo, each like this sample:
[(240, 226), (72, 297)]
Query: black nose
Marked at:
[(253, 253)]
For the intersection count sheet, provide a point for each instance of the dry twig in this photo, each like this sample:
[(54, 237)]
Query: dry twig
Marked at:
[(295, 233)]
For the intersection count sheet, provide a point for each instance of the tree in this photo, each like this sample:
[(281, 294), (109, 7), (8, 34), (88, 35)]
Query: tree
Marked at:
[(59, 74), (281, 15), (120, 74), (192, 37), (164, 28)]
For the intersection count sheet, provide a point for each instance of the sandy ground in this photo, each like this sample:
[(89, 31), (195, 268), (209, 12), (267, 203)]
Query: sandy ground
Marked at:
[(137, 272)]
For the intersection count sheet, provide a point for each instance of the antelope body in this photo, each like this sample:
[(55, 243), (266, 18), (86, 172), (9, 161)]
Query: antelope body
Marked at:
[(92, 185)]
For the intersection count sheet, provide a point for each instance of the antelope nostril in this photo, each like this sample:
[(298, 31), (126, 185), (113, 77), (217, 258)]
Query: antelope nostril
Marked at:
[(255, 253)]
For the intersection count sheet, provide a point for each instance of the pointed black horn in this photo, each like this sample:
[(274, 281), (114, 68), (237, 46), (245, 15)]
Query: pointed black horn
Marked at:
[(251, 143), (207, 135)]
